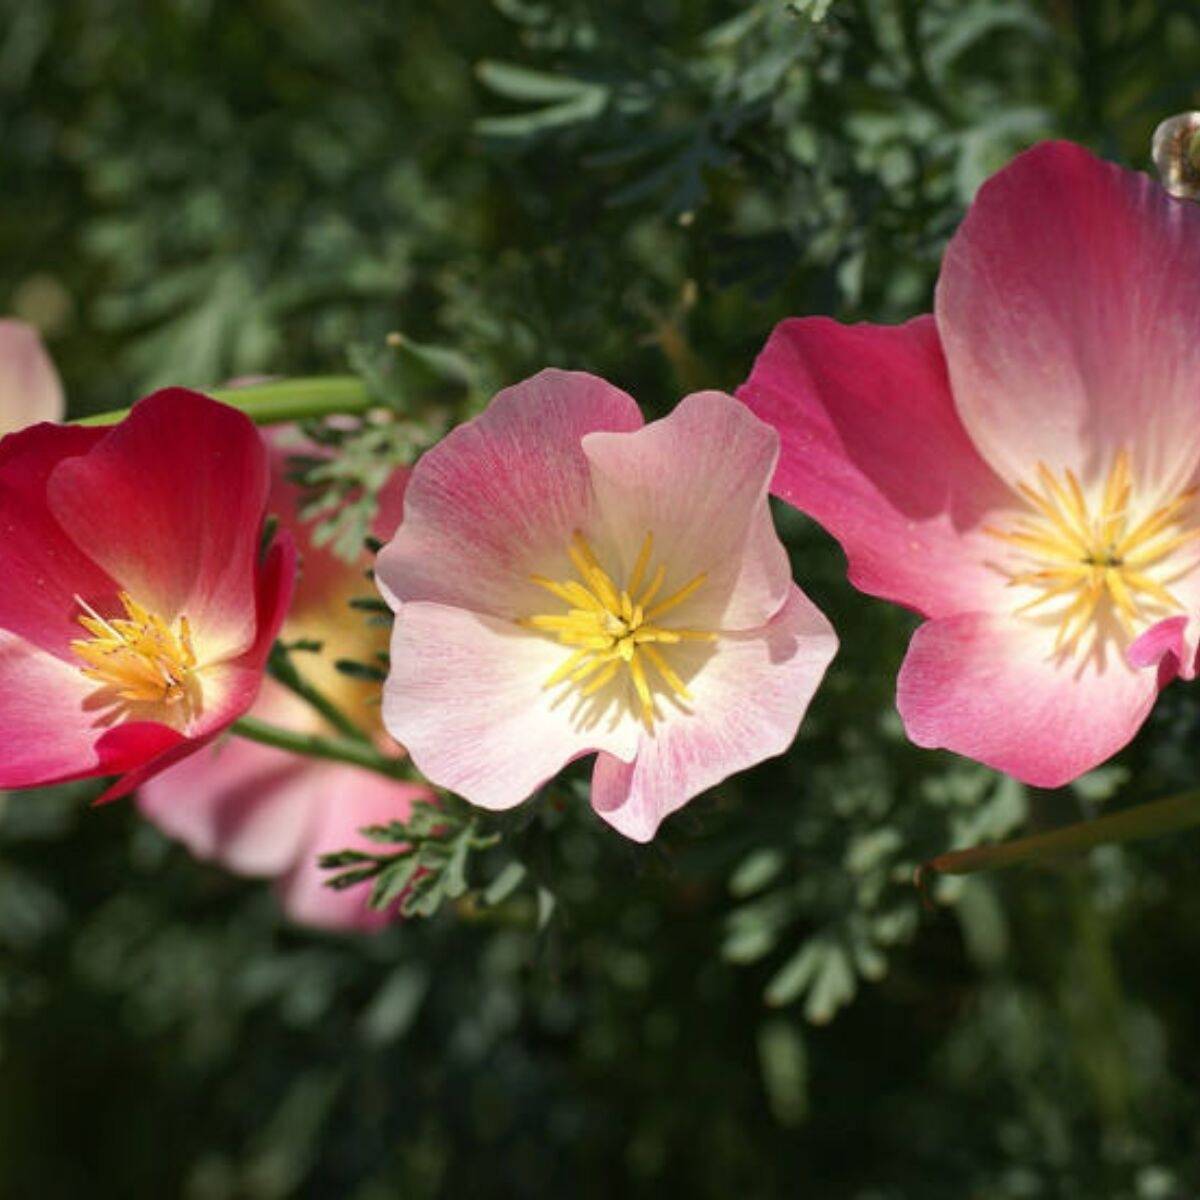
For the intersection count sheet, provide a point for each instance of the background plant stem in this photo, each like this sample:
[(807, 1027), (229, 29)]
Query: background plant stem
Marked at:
[(312, 745), (280, 401)]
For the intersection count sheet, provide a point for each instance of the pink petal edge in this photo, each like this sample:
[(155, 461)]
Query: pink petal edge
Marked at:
[(749, 702)]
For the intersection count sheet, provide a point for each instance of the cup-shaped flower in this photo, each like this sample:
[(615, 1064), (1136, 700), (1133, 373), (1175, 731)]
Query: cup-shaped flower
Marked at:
[(30, 390), (137, 608), (568, 580), (1021, 467), (263, 812)]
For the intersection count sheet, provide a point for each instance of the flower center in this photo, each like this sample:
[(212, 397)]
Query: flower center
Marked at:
[(611, 627), (1098, 557), (139, 656)]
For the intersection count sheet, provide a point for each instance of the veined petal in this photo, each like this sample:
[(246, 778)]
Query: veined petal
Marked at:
[(873, 449), (465, 696), (748, 701), (1067, 310), (499, 497), (697, 480), (990, 687)]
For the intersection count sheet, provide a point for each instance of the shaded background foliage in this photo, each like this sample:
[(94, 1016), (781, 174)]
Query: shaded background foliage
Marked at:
[(196, 189)]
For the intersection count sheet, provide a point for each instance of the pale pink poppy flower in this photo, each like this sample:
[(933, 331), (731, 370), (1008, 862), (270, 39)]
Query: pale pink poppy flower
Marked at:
[(263, 812), (568, 580), (30, 390), (1021, 467)]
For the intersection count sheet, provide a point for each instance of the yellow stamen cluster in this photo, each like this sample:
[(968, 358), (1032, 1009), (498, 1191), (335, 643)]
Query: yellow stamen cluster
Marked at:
[(1095, 558), (139, 655), (609, 627)]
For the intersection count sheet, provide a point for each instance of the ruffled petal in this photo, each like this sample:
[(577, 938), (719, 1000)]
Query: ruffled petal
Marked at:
[(1067, 310), (749, 699), (989, 687), (499, 497), (697, 481), (1170, 646), (873, 449), (465, 696), (30, 389)]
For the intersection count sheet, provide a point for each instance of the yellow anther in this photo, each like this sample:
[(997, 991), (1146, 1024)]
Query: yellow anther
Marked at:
[(676, 598), (609, 627), (139, 656), (643, 561), (655, 584), (1097, 557)]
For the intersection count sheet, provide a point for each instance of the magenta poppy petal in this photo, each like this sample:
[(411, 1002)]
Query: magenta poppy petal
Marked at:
[(697, 481), (465, 697), (873, 449), (389, 505), (275, 588), (169, 503), (52, 732), (47, 734), (229, 688), (139, 750), (489, 503), (1067, 309), (990, 687), (42, 568), (748, 703), (1170, 646), (30, 389)]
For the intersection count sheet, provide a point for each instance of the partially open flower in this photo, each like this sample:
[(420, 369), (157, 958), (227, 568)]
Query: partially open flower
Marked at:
[(567, 580), (1022, 468), (264, 812), (137, 610), (30, 390)]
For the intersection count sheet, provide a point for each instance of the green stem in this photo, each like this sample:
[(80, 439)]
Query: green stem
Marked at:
[(1141, 821), (313, 745), (280, 401), (282, 668)]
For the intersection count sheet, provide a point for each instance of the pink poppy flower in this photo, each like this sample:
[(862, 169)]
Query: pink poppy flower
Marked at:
[(1021, 467), (136, 612), (30, 390), (568, 580), (263, 812)]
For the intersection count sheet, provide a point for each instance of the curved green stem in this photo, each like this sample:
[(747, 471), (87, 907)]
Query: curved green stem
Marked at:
[(313, 745), (1140, 821), (281, 400), (281, 668)]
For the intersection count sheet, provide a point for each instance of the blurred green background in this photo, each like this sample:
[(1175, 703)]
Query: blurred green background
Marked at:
[(756, 1005)]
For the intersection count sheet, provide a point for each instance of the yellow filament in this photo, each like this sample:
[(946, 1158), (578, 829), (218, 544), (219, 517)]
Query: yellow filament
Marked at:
[(1095, 556), (610, 627), (139, 655)]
